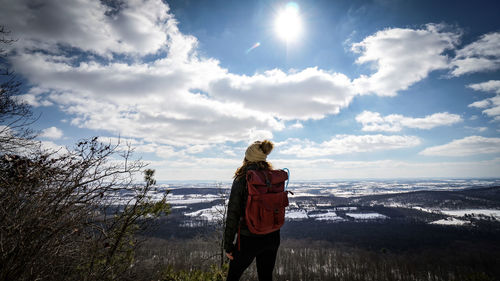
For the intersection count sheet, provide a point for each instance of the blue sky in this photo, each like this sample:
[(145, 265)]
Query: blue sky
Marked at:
[(366, 89)]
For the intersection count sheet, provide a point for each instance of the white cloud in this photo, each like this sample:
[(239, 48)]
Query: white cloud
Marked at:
[(346, 144), (491, 105), (136, 27), (53, 148), (179, 98), (481, 104), (160, 150), (468, 146), (494, 110), (492, 86), (157, 101), (52, 133), (482, 55), (402, 57), (297, 125), (470, 65), (310, 93), (200, 168), (222, 169), (166, 152), (89, 59), (373, 121), (479, 129)]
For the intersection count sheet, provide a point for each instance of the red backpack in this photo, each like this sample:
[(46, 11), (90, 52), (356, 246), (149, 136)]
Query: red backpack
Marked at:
[(267, 199)]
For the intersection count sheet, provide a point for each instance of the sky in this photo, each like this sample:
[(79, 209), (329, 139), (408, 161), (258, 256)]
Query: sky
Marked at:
[(346, 89)]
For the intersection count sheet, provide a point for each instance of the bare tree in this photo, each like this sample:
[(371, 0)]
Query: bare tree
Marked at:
[(64, 216), (70, 214), (15, 116), (215, 237), (220, 223)]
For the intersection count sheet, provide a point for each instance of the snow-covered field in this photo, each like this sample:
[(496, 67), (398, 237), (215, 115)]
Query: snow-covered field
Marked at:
[(184, 197), (474, 213), (210, 214), (349, 188), (451, 221), (296, 215), (361, 188), (191, 199), (366, 216), (461, 216), (328, 216)]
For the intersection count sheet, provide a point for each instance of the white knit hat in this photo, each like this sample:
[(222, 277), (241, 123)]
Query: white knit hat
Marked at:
[(258, 151)]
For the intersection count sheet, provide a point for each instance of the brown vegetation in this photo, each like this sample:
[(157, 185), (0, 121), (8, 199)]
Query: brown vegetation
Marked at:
[(319, 260), (58, 209)]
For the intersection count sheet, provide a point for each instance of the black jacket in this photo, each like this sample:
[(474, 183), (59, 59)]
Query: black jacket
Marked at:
[(236, 212)]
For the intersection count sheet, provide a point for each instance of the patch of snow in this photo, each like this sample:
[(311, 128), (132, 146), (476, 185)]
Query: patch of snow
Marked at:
[(493, 213), (303, 194), (296, 214), (191, 199), (345, 208), (328, 216), (450, 221), (425, 209), (361, 188), (393, 204), (323, 204), (210, 214), (366, 216)]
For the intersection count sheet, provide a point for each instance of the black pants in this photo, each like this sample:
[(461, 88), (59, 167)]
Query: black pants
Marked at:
[(264, 248)]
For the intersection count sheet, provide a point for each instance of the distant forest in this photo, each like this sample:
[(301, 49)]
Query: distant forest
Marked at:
[(391, 250)]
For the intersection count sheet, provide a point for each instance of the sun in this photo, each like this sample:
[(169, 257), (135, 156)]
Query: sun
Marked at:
[(288, 24)]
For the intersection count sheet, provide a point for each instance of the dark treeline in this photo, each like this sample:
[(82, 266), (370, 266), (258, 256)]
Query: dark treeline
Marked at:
[(351, 251), (395, 235), (320, 260)]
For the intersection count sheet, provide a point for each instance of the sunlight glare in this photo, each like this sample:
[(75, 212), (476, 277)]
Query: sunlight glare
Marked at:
[(288, 24)]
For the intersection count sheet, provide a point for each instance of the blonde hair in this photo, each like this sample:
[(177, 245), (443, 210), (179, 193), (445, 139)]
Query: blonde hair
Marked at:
[(261, 165)]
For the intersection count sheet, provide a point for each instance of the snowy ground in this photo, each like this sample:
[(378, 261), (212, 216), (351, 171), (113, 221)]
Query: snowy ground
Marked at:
[(451, 221), (211, 214), (191, 199), (495, 214), (361, 188), (296, 215), (366, 216), (331, 215), (183, 196), (328, 216), (462, 217)]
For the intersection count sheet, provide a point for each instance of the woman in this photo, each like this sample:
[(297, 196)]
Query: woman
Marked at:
[(262, 247)]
